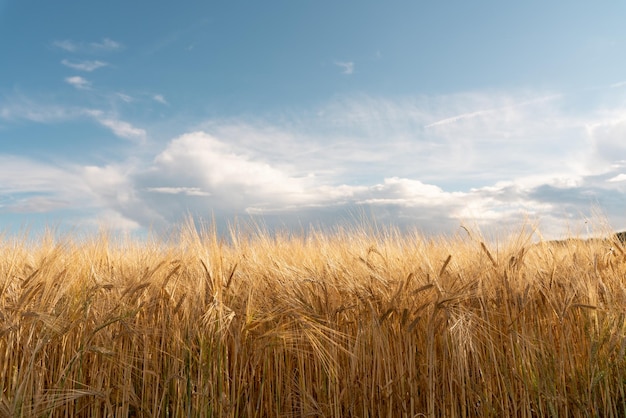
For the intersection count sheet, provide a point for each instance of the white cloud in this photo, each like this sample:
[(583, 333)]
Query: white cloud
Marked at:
[(94, 196), (25, 109), (122, 197), (489, 159), (37, 204), (125, 97), (84, 65), (347, 67), (606, 134), (111, 220), (405, 192), (113, 188), (457, 118), (105, 45), (492, 137), (230, 182), (504, 106), (78, 82), (123, 129), (189, 191), (229, 176), (119, 127), (159, 98), (110, 182), (30, 187), (66, 45), (25, 176)]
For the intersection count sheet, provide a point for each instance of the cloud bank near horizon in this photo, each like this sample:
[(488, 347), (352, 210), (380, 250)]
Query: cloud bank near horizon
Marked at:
[(433, 163)]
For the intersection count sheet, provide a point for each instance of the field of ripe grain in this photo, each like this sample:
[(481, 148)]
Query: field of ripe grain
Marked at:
[(352, 324)]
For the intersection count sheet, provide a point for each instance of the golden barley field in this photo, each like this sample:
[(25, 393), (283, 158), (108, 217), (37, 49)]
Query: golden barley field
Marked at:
[(353, 323)]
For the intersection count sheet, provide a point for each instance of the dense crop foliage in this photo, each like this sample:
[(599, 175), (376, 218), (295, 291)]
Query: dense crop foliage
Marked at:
[(351, 323)]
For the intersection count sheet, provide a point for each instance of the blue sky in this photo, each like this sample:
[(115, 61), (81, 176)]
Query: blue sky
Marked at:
[(133, 115)]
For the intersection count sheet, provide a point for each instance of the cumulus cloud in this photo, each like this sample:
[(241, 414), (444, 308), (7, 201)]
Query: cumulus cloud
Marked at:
[(607, 135), (500, 159), (87, 66), (233, 180), (434, 163), (110, 220), (111, 185), (113, 188), (405, 192), (127, 197), (209, 176)]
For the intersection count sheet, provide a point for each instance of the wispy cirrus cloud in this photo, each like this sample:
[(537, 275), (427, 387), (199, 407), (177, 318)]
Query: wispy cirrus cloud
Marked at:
[(105, 45), (36, 204), (66, 45), (24, 109), (21, 108), (28, 186), (22, 175), (124, 97), (508, 105), (123, 129), (159, 99), (346, 66), (87, 66), (78, 82), (120, 128)]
